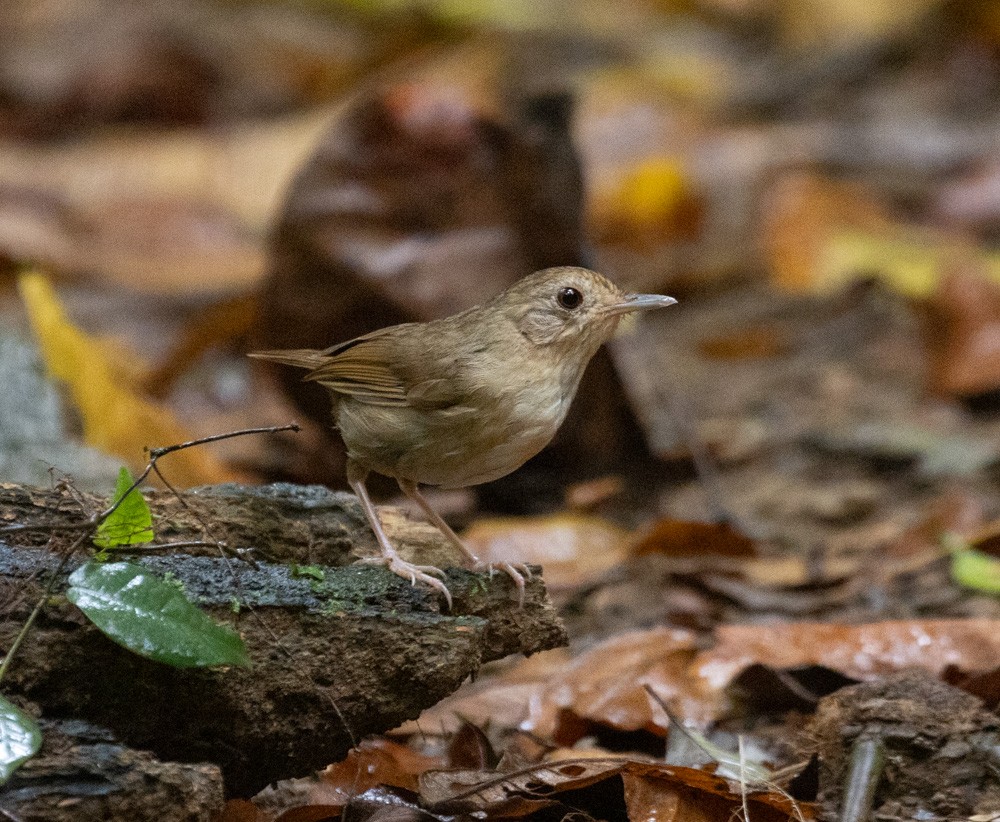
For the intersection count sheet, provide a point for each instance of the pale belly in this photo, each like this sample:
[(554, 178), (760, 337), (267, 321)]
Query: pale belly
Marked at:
[(456, 447)]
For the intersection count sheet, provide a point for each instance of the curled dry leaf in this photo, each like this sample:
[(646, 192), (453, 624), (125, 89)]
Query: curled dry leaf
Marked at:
[(116, 417), (499, 701), (573, 549), (605, 685), (859, 651), (374, 762)]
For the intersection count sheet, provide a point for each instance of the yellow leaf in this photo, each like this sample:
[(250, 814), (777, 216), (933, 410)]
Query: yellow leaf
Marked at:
[(115, 417), (821, 234), (652, 203)]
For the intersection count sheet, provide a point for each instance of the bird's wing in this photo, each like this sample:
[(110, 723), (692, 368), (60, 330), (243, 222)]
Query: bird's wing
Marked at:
[(363, 368), (372, 369)]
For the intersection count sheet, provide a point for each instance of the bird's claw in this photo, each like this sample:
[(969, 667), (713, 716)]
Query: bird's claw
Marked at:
[(414, 573), (518, 572)]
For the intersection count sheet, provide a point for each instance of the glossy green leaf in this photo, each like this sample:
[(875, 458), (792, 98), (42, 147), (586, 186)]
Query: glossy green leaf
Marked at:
[(974, 569), (131, 523), (152, 617), (20, 738)]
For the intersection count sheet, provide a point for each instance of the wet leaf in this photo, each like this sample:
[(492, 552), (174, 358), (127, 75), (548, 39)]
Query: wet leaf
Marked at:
[(152, 617), (858, 651), (131, 523), (374, 762), (115, 416), (20, 738)]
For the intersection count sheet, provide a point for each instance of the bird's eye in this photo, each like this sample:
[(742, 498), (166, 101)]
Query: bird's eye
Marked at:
[(569, 298)]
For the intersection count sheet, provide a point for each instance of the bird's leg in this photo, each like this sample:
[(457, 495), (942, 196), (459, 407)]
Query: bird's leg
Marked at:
[(518, 573), (356, 476)]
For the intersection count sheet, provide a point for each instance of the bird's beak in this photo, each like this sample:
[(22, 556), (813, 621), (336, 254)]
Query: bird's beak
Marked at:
[(640, 302)]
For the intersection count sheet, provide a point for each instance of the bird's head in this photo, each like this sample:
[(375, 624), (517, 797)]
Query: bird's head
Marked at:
[(571, 308)]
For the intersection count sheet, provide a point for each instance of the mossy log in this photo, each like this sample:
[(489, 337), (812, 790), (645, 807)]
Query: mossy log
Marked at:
[(354, 653)]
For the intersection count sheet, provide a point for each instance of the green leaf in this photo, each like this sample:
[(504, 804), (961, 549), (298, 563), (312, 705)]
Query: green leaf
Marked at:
[(131, 523), (974, 569), (20, 738), (151, 617)]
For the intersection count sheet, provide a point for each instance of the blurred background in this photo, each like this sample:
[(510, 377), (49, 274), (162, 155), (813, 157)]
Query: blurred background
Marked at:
[(817, 182)]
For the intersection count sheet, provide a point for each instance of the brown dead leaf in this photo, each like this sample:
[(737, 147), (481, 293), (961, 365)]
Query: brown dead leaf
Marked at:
[(655, 791), (859, 651), (501, 701), (964, 338), (572, 548), (683, 538), (605, 685), (757, 342), (116, 417), (374, 762)]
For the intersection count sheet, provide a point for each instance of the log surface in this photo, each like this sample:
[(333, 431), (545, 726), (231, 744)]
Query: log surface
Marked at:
[(355, 653)]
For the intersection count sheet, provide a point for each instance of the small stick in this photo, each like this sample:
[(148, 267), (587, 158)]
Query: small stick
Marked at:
[(867, 765)]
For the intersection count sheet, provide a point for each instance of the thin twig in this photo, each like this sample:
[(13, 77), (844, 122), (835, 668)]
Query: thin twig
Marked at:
[(155, 454), (39, 605)]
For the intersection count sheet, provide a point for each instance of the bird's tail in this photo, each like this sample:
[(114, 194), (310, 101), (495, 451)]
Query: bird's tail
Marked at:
[(299, 358)]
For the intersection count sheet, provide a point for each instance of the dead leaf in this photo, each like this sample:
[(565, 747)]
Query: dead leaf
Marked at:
[(116, 418), (241, 810), (538, 786), (605, 685), (500, 701), (858, 651), (683, 538), (821, 234), (756, 342), (647, 205), (374, 762), (964, 333), (572, 548)]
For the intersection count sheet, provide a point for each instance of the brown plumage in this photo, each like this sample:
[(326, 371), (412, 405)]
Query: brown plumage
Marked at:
[(468, 398)]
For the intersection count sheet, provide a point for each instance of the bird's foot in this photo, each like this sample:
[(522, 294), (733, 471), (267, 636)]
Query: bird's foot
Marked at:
[(414, 573), (518, 571)]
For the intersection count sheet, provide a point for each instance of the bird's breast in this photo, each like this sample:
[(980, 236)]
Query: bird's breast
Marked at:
[(497, 427)]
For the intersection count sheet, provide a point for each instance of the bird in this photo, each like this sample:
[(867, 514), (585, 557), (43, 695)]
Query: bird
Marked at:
[(466, 399)]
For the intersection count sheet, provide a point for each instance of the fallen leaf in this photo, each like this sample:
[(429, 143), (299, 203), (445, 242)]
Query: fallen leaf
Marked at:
[(374, 762), (964, 333), (572, 548), (605, 685), (115, 417), (500, 701), (858, 651), (820, 235), (647, 205), (756, 342), (683, 538), (541, 785)]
